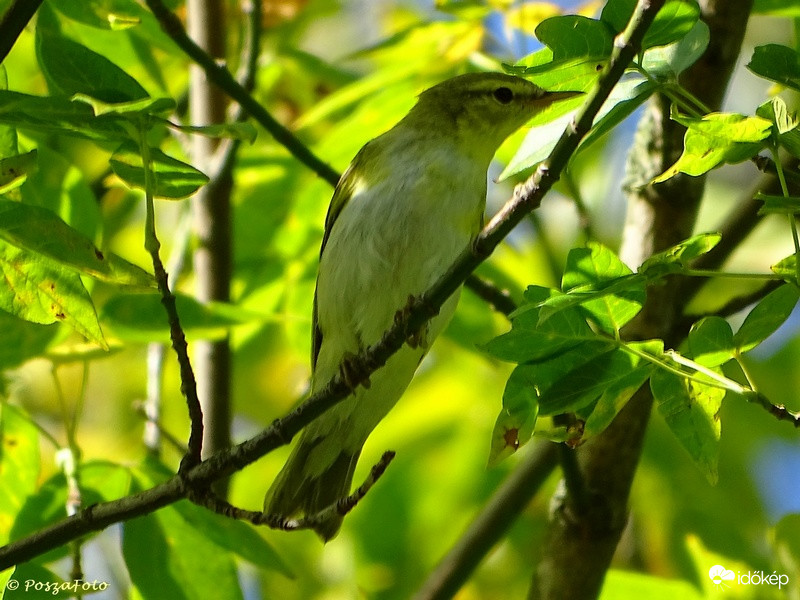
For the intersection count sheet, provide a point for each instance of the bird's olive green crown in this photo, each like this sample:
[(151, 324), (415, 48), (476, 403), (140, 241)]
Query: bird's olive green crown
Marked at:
[(480, 108)]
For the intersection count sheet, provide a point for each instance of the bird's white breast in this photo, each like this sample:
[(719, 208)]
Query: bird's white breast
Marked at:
[(391, 241)]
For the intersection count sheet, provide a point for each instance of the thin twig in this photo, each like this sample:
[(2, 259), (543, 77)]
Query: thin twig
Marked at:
[(491, 524), (14, 21), (141, 409), (339, 508), (177, 336), (526, 198), (498, 299), (779, 411)]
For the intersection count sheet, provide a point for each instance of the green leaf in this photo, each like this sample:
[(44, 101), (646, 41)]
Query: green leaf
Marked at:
[(678, 256), (616, 395), (711, 342), (775, 110), (102, 14), (58, 115), (776, 63), (667, 62), (541, 138), (71, 68), (169, 556), (574, 36), (596, 268), (675, 19), (766, 317), (41, 231), (715, 139), (785, 131), (41, 291), (141, 317), (580, 386), (691, 410), (533, 340), (628, 95), (514, 425), (174, 179), (151, 106), (778, 204), (14, 170), (19, 464), (786, 268), (236, 131)]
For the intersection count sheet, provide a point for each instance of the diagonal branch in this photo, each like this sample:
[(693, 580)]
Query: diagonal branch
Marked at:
[(526, 198), (14, 21)]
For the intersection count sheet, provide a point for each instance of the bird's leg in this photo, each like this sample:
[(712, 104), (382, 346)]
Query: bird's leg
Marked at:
[(351, 370), (418, 338)]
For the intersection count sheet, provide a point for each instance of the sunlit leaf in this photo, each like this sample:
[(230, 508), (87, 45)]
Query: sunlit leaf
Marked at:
[(691, 410), (711, 342), (678, 256), (39, 230), (236, 131), (533, 340), (143, 105), (14, 170), (715, 139), (58, 115), (41, 291), (548, 127), (102, 14), (595, 268), (616, 371), (174, 179)]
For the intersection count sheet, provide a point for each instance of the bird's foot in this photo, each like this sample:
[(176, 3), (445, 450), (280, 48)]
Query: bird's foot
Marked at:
[(351, 370), (418, 338)]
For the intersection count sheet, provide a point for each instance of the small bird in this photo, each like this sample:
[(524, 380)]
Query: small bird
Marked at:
[(408, 205)]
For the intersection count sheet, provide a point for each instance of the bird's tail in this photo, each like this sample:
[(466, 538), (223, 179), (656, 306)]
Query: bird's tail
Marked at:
[(297, 489)]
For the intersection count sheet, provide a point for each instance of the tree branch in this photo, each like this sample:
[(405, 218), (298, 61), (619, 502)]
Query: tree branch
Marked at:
[(222, 77), (14, 21), (341, 507), (491, 524), (526, 197)]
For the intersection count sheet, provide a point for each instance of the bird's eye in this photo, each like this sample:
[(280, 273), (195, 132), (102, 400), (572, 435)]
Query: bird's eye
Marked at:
[(503, 95)]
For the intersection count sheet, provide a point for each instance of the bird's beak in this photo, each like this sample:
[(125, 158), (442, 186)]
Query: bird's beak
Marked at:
[(551, 97)]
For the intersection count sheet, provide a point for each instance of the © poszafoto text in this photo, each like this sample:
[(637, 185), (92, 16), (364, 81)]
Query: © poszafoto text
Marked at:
[(56, 587)]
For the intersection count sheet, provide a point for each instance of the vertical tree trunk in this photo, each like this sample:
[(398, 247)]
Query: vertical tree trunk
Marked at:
[(212, 225)]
